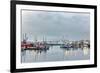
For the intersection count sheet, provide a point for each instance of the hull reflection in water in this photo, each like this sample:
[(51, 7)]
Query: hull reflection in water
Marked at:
[(55, 53)]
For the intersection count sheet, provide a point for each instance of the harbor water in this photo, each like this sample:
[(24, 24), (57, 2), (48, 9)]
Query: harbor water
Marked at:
[(55, 53)]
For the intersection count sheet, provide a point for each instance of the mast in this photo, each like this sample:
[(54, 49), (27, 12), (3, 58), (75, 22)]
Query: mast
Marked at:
[(35, 38)]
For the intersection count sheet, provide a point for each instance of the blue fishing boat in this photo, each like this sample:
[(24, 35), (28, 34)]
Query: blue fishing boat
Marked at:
[(65, 46)]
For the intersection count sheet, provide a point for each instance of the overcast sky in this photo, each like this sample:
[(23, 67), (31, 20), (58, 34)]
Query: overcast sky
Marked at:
[(55, 25)]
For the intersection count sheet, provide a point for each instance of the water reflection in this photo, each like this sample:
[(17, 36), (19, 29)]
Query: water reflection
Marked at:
[(55, 53), (75, 51), (86, 50)]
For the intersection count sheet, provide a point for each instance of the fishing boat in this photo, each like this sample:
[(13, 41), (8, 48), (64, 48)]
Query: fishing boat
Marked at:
[(33, 46), (40, 46), (65, 46)]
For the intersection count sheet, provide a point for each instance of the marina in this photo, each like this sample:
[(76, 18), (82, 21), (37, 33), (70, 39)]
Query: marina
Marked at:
[(42, 51), (46, 44)]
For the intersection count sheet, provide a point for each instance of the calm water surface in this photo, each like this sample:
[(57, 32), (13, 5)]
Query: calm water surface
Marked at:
[(55, 53)]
